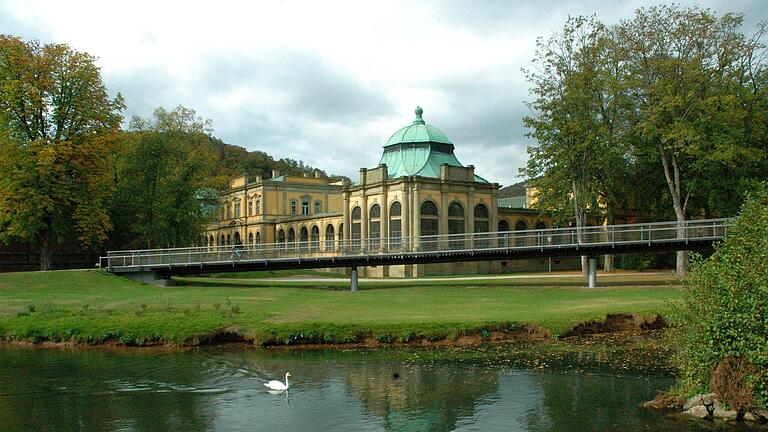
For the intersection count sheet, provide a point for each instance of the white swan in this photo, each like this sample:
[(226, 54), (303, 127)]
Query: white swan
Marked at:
[(277, 385)]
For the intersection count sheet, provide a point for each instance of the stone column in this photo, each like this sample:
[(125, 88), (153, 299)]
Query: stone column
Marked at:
[(470, 218), (405, 215), (346, 229), (493, 221)]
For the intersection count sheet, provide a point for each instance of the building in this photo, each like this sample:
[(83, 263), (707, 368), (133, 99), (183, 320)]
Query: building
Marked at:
[(418, 190)]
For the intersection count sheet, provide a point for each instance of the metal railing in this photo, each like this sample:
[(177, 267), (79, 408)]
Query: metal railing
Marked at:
[(544, 239)]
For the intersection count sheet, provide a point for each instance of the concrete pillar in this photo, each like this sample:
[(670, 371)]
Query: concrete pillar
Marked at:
[(592, 272), (353, 278)]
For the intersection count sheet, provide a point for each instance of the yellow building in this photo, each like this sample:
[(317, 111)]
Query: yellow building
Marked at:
[(418, 190)]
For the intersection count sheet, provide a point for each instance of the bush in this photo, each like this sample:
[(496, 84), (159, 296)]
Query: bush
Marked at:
[(723, 319)]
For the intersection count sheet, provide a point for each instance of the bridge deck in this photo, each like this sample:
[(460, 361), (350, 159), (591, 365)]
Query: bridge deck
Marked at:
[(312, 253)]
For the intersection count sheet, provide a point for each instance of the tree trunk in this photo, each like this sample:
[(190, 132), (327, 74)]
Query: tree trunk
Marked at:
[(608, 265), (578, 215), (46, 252), (673, 181)]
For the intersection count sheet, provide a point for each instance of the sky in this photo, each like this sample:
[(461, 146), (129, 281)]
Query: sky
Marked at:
[(329, 82)]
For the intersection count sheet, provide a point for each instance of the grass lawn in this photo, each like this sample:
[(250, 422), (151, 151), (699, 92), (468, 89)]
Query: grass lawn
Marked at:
[(93, 306)]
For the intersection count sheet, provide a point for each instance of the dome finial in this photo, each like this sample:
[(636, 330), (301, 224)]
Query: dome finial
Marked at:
[(418, 119)]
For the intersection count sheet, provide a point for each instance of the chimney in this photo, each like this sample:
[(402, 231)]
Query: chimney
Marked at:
[(275, 173)]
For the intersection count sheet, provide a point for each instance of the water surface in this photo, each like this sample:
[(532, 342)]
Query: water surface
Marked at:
[(353, 390)]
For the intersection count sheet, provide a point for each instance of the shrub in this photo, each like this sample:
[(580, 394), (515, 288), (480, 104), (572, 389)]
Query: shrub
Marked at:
[(723, 319)]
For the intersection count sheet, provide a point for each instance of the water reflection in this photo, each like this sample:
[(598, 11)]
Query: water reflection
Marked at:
[(330, 390)]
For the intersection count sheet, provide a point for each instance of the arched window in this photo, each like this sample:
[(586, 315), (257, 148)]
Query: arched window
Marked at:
[(374, 226), (229, 239), (481, 226), (281, 238), (291, 239), (237, 208), (356, 216), (341, 232), (223, 241), (210, 241), (258, 237), (315, 238), (521, 239), (229, 211), (503, 225), (503, 233), (428, 225), (456, 225), (237, 237), (329, 237), (250, 238), (304, 238), (395, 225), (258, 206), (250, 207)]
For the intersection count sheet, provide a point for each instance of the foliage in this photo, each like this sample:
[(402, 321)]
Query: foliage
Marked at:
[(57, 129), (724, 316), (165, 163), (672, 103)]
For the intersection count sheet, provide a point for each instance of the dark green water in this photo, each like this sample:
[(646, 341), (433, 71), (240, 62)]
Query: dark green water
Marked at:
[(221, 390)]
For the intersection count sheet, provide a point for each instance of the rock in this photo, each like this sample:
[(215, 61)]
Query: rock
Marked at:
[(708, 398), (693, 402), (761, 413), (751, 417), (724, 414), (698, 411)]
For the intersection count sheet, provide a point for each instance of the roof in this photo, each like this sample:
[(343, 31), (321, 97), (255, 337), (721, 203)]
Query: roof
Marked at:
[(419, 150)]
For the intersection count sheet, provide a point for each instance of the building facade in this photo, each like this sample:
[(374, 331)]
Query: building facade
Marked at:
[(418, 190)]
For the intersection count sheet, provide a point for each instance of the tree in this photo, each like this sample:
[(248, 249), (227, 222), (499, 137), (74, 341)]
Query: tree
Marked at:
[(682, 67), (57, 126), (578, 165), (167, 162)]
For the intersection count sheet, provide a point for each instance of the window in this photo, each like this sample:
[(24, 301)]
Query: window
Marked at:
[(456, 225), (229, 239), (281, 237), (318, 207), (237, 208), (481, 226), (304, 239), (341, 232), (356, 215), (250, 238), (291, 239), (294, 207), (374, 226), (210, 241), (520, 238), (223, 241), (429, 224), (395, 225), (541, 238), (258, 238), (229, 211), (504, 233), (503, 225), (329, 237), (250, 207), (314, 240), (258, 206), (305, 208), (221, 213)]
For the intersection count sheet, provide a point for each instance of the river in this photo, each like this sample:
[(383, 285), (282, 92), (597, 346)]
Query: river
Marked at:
[(66, 389)]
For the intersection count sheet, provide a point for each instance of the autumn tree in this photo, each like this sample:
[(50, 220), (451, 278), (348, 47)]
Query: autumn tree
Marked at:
[(57, 126), (167, 161)]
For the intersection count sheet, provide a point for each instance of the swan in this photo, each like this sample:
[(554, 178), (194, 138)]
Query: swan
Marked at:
[(277, 385)]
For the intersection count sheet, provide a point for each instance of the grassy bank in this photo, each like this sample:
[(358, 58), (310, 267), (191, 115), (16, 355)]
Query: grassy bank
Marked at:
[(96, 307)]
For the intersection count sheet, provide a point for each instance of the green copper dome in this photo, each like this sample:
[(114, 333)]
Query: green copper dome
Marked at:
[(419, 150), (419, 131)]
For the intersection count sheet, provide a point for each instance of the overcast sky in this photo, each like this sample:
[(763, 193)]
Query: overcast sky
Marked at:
[(327, 82)]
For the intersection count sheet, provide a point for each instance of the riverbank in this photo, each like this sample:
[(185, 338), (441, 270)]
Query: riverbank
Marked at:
[(93, 307)]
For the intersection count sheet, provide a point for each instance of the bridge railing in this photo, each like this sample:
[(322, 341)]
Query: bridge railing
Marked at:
[(134, 260)]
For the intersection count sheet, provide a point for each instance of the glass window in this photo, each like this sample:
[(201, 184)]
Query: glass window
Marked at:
[(304, 238), (481, 226), (237, 209), (291, 238), (395, 209), (395, 225), (429, 226), (229, 211), (258, 206), (356, 213), (305, 208), (294, 207), (250, 207), (318, 207), (329, 237), (314, 240)]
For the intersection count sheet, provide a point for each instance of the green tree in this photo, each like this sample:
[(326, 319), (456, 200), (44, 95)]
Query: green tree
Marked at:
[(57, 128), (682, 72), (168, 160)]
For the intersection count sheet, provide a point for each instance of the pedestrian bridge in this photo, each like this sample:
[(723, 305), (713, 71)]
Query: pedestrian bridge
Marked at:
[(152, 264)]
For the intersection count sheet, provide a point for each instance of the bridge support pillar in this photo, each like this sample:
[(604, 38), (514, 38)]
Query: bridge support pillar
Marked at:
[(353, 278), (592, 271)]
